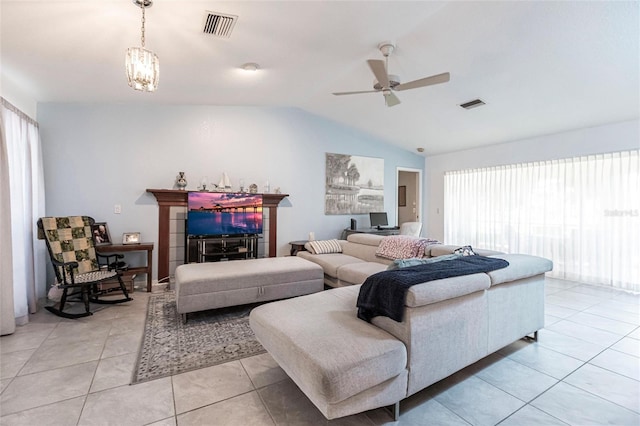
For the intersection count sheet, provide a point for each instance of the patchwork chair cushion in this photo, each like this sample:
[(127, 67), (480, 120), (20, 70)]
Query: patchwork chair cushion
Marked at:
[(70, 240)]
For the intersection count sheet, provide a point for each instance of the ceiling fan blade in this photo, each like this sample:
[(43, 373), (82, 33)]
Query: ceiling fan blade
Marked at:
[(379, 70), (427, 81), (355, 93), (390, 98)]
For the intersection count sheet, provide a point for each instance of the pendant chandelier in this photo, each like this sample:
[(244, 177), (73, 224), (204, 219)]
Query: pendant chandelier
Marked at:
[(142, 65)]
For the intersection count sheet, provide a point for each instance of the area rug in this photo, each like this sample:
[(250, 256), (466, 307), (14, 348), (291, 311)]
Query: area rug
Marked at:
[(209, 338)]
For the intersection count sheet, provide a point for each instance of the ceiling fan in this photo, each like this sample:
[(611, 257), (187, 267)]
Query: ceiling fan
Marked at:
[(388, 83)]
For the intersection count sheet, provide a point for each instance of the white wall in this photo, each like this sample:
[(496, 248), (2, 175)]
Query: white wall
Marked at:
[(593, 140), (96, 156)]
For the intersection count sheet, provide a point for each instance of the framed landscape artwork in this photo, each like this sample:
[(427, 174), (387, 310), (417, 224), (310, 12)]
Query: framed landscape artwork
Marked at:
[(354, 185)]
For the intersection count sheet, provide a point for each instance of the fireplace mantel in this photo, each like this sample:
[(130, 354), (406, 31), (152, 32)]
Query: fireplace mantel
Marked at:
[(171, 197)]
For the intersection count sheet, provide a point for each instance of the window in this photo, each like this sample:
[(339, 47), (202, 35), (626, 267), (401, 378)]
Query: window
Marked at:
[(582, 213)]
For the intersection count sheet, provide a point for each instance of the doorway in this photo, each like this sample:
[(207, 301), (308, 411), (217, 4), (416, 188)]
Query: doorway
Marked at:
[(409, 195)]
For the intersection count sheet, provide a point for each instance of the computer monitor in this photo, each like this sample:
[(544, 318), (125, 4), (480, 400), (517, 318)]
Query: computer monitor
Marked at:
[(378, 219)]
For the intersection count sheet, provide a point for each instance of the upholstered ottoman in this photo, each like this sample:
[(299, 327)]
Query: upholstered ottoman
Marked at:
[(202, 286)]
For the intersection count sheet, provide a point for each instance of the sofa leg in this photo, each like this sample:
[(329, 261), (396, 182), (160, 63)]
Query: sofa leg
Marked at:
[(534, 338), (394, 411)]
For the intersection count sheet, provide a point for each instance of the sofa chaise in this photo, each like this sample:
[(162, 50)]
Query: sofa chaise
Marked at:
[(346, 365)]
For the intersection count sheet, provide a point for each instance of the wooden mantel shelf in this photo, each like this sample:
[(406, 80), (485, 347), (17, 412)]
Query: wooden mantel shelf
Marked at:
[(174, 197)]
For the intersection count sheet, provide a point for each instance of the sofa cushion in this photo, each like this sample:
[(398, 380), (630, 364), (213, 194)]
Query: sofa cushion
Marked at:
[(324, 246), (356, 273), (448, 288), (520, 266), (366, 239), (329, 262), (324, 347), (365, 252)]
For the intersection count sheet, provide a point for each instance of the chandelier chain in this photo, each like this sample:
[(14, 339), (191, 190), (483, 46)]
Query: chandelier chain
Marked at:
[(143, 20)]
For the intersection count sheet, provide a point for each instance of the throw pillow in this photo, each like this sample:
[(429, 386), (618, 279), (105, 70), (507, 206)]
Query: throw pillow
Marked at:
[(324, 247), (405, 263), (399, 247), (465, 251)]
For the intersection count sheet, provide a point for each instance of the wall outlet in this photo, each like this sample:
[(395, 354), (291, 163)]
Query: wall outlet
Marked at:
[(117, 209)]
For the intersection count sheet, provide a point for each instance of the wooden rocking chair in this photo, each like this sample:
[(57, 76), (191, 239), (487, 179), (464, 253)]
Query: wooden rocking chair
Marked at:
[(75, 262)]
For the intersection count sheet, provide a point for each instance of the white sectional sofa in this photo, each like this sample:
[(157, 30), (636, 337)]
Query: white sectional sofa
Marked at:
[(346, 365)]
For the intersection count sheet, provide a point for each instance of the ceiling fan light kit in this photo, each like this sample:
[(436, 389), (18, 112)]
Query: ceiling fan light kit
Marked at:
[(388, 83), (142, 65)]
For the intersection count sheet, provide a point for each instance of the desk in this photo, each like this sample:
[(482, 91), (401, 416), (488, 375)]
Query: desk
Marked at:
[(382, 231), (120, 248)]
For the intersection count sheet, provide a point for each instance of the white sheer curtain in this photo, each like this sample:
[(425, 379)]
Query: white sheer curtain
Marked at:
[(583, 213), (22, 163)]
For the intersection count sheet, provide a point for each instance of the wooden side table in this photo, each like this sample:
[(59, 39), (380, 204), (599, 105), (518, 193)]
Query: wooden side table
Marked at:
[(120, 248), (297, 246)]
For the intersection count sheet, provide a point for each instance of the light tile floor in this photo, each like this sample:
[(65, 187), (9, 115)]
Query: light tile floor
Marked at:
[(585, 369)]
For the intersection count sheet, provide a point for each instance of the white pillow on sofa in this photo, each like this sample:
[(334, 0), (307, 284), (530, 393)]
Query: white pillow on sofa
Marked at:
[(324, 246)]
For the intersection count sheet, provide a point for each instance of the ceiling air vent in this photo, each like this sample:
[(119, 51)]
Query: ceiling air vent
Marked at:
[(219, 24), (472, 104)]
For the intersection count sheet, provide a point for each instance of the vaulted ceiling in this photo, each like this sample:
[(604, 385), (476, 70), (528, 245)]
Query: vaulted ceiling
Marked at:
[(541, 67)]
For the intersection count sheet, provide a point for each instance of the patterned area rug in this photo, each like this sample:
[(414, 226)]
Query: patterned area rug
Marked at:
[(209, 337)]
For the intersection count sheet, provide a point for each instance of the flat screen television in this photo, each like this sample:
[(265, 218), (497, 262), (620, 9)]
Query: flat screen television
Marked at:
[(378, 219), (211, 214)]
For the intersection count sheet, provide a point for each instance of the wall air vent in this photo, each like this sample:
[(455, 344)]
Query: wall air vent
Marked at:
[(219, 24), (472, 104)]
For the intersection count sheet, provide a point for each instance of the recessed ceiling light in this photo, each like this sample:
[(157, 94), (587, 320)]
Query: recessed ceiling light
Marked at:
[(250, 66)]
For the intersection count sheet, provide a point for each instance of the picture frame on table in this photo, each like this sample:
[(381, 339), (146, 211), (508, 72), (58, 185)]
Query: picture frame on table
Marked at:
[(100, 234), (131, 238)]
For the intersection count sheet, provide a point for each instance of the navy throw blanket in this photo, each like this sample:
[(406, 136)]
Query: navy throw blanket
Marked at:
[(384, 293)]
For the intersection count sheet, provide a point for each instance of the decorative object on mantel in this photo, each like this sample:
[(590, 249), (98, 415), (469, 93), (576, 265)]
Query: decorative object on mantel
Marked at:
[(277, 190), (142, 65), (253, 188), (267, 187), (241, 183), (204, 184), (225, 183), (181, 182)]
